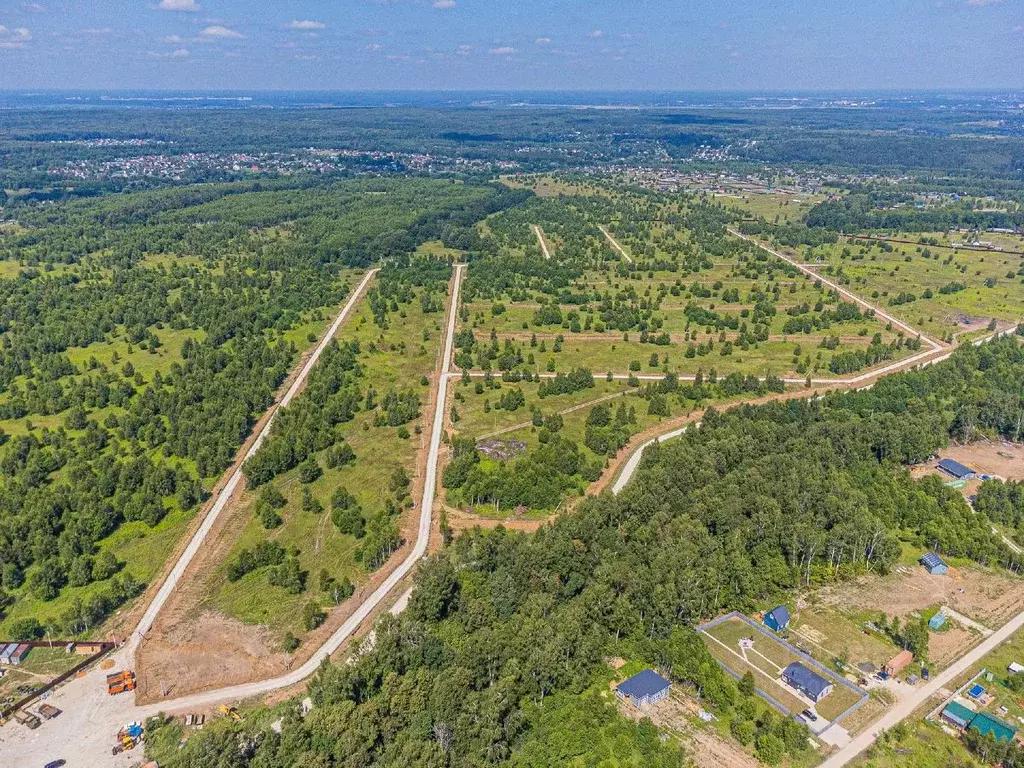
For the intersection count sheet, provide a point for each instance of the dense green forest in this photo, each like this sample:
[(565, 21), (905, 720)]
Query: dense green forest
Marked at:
[(498, 658), (143, 336), (893, 137), (860, 212)]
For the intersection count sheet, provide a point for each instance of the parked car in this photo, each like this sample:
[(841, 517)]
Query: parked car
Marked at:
[(810, 715), (55, 764)]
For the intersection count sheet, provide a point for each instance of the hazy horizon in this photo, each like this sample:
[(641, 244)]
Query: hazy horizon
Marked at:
[(468, 45)]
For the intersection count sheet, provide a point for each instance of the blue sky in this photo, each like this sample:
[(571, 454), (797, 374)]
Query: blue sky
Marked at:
[(512, 44)]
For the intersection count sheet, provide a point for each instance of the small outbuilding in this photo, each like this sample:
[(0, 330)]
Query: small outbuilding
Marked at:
[(897, 663), (957, 715), (20, 653), (777, 619), (1015, 668), (956, 470), (937, 621), (644, 688), (934, 564), (88, 648), (6, 651), (808, 682)]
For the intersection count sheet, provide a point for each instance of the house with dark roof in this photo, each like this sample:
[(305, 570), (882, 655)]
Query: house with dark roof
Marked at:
[(777, 618), (643, 688), (809, 683), (933, 564), (956, 470)]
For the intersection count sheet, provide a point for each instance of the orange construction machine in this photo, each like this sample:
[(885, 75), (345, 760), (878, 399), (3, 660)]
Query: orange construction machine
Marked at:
[(119, 682)]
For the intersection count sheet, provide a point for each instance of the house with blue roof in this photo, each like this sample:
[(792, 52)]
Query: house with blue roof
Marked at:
[(777, 619), (933, 564), (808, 682), (643, 688), (956, 470)]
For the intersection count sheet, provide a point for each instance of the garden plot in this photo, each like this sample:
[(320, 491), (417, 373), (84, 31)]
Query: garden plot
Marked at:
[(741, 645)]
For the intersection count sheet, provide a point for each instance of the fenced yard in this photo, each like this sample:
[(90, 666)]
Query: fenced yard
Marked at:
[(741, 644)]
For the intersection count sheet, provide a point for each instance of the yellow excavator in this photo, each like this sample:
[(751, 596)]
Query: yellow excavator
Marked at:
[(231, 712)]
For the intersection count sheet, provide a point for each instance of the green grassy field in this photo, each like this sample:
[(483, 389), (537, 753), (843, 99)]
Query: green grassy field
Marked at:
[(476, 422), (721, 289), (395, 358), (775, 207), (992, 287), (917, 744)]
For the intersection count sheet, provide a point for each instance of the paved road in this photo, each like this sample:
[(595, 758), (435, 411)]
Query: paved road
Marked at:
[(146, 622), (615, 244), (906, 707), (540, 239)]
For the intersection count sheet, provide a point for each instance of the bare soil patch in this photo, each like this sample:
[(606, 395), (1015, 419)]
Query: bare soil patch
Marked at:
[(703, 745), (212, 651), (945, 647), (990, 457), (985, 596)]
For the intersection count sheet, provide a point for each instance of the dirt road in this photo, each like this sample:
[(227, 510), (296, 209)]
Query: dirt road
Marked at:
[(91, 717), (540, 239), (615, 244), (807, 270), (236, 476)]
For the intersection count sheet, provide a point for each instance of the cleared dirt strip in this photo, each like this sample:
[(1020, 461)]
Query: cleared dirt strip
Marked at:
[(615, 243)]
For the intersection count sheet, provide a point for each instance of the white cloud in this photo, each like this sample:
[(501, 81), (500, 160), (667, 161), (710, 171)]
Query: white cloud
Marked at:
[(221, 32), (307, 24), (504, 50), (542, 41), (12, 39), (597, 33), (180, 53), (982, 3), (178, 5), (1018, 29), (33, 8), (464, 50), (631, 36), (173, 39), (444, 4), (374, 47)]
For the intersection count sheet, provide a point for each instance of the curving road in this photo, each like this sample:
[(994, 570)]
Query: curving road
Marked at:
[(91, 716)]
